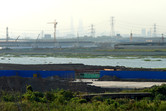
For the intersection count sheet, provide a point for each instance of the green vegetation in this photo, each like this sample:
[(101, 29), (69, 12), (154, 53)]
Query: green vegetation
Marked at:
[(147, 60), (65, 55), (61, 100), (132, 50), (84, 53), (160, 68), (79, 55), (151, 60)]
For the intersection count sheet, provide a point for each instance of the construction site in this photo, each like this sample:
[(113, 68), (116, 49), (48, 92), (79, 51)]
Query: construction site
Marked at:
[(85, 46), (113, 41), (63, 76)]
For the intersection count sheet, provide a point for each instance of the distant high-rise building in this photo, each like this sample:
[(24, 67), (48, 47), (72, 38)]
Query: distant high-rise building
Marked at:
[(47, 36), (143, 32), (149, 33), (72, 26), (80, 27)]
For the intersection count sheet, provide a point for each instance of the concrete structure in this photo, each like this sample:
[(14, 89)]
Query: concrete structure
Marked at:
[(47, 36), (45, 44)]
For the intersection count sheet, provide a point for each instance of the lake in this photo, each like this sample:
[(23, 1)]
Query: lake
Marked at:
[(147, 62)]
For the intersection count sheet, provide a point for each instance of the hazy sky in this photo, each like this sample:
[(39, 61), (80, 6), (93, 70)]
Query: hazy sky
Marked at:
[(25, 17)]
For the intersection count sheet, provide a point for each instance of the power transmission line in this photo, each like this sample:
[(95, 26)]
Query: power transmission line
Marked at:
[(112, 26), (92, 31)]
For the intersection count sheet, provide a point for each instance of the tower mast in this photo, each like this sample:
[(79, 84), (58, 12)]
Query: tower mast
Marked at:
[(55, 23)]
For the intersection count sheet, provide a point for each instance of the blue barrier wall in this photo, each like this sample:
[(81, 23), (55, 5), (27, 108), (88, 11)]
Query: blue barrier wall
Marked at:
[(135, 74), (7, 73), (25, 73), (43, 74), (61, 74)]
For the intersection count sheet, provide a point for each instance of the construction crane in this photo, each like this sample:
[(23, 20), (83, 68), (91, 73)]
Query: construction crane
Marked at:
[(55, 23), (17, 38), (37, 39)]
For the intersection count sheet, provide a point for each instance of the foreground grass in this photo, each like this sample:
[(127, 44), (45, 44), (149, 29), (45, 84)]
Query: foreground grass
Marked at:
[(60, 100), (109, 105)]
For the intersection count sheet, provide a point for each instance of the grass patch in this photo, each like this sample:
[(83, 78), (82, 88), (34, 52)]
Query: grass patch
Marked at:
[(147, 59), (152, 60), (160, 68)]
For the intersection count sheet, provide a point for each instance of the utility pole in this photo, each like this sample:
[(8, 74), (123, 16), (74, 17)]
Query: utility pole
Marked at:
[(77, 40), (131, 36), (162, 38), (77, 37), (37, 40), (112, 26), (154, 30), (55, 23), (42, 34), (92, 31), (7, 34)]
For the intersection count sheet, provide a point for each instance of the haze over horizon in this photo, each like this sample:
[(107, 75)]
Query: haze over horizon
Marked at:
[(27, 17)]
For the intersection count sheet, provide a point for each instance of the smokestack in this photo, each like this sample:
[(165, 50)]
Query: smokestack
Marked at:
[(7, 34)]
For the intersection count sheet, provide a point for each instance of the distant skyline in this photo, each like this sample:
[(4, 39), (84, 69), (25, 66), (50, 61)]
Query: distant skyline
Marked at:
[(30, 17)]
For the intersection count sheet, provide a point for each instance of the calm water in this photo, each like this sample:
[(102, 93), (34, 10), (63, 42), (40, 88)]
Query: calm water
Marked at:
[(108, 61)]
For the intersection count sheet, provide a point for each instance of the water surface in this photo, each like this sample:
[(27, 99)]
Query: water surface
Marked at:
[(104, 61)]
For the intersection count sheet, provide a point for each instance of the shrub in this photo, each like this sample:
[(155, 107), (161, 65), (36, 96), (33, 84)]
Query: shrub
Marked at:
[(97, 98), (160, 97), (159, 92), (34, 96), (29, 88), (67, 94), (109, 101), (49, 96), (82, 101), (9, 98)]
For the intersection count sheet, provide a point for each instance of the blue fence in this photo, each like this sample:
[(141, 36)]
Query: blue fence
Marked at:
[(42, 74), (71, 74), (135, 74)]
